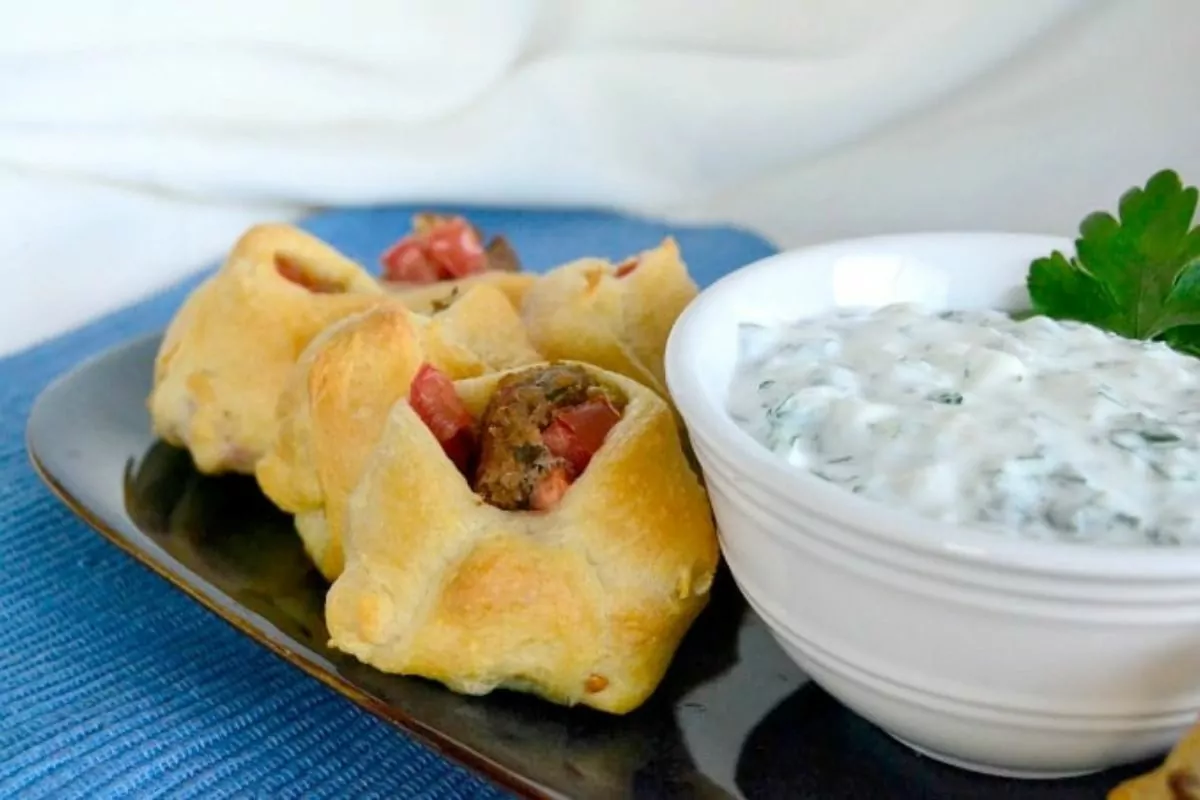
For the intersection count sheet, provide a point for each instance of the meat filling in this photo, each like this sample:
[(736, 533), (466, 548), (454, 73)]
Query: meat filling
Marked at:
[(537, 434)]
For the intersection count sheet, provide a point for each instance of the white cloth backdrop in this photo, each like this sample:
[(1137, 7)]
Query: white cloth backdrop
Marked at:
[(138, 137)]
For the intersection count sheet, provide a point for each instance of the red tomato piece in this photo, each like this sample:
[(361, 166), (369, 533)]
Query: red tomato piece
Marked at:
[(405, 261), (450, 248), (578, 432), (456, 249), (460, 449), (433, 398), (626, 267), (550, 489)]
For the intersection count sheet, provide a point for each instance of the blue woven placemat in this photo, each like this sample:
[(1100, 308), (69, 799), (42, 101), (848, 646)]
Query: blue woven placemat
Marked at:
[(113, 684)]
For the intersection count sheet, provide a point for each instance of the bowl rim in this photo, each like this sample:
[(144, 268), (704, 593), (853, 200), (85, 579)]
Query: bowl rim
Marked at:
[(878, 522)]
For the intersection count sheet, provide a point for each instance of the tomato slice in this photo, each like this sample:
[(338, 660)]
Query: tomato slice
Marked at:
[(550, 489), (455, 247), (405, 261), (433, 397), (445, 249), (578, 432)]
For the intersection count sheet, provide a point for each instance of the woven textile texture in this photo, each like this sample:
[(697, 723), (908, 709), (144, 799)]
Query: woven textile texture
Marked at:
[(113, 684)]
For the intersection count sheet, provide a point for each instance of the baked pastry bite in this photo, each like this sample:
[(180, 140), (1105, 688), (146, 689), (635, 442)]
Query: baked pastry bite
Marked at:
[(443, 257), (227, 353), (561, 545), (337, 398), (1178, 778), (617, 316)]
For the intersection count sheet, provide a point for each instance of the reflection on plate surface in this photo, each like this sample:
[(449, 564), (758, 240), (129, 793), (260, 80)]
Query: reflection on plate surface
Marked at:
[(734, 716)]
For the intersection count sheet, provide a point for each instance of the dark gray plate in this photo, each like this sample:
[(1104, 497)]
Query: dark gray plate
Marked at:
[(733, 718)]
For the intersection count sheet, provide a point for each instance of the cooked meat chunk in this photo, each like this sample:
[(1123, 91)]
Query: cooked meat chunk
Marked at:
[(520, 468), (501, 257)]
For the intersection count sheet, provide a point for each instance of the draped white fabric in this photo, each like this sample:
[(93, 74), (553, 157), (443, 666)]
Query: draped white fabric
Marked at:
[(137, 137)]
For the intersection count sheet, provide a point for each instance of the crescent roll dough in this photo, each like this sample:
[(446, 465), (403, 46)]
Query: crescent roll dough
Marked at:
[(615, 316), (584, 603), (1177, 779), (227, 353), (426, 298), (337, 398)]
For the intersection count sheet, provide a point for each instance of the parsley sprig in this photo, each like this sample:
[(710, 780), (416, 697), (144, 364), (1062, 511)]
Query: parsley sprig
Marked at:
[(1137, 275)]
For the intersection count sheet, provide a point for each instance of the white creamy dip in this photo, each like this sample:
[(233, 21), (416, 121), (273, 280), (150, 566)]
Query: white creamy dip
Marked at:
[(1038, 429)]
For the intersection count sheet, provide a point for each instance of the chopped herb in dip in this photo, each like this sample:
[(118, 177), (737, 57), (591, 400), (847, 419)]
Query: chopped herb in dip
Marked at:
[(1033, 428)]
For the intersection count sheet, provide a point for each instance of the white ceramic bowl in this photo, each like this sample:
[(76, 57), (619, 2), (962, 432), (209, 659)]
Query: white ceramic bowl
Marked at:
[(1005, 656)]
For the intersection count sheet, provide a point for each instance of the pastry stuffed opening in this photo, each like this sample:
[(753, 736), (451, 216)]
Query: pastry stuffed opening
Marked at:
[(444, 248), (540, 430), (1184, 784), (303, 275)]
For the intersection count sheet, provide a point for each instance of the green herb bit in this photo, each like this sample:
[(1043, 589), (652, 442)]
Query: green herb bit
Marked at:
[(527, 454), (1159, 437), (947, 398), (1138, 276)]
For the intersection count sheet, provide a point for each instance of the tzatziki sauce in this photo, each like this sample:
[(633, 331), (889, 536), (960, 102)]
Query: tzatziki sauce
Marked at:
[(1035, 429)]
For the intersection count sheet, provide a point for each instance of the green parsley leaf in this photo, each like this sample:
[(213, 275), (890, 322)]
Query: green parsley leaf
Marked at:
[(1138, 276), (1064, 289), (1185, 338)]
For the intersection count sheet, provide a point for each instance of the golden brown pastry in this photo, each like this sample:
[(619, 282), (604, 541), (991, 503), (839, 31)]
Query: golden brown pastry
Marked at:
[(428, 298), (444, 256), (617, 316), (336, 400), (538, 530), (227, 353), (479, 331), (1177, 779)]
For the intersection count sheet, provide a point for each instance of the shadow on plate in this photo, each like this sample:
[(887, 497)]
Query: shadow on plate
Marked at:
[(811, 746), (225, 531)]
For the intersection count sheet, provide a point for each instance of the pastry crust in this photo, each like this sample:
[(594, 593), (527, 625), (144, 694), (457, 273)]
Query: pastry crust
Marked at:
[(337, 398), (427, 298), (1177, 779), (583, 311), (582, 604), (227, 353)]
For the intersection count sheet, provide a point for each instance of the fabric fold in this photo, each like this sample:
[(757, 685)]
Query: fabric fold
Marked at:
[(143, 136)]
